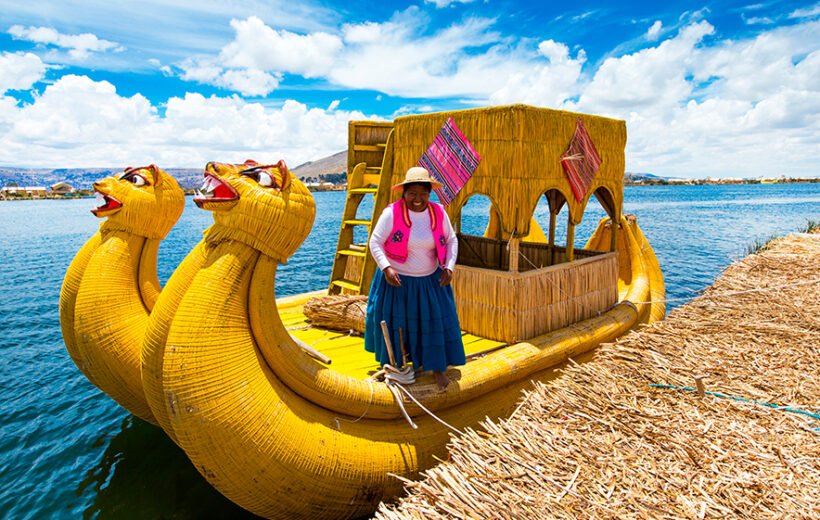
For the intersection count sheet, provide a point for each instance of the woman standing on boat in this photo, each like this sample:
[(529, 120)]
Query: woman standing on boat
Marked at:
[(415, 248)]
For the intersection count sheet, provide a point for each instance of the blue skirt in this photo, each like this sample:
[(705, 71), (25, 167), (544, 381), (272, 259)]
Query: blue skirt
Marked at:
[(426, 313)]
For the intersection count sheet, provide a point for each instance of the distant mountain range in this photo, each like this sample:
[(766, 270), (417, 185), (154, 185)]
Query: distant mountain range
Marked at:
[(326, 169)]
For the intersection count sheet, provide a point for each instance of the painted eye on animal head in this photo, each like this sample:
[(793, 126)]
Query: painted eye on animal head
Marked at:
[(265, 179), (260, 175), (134, 178)]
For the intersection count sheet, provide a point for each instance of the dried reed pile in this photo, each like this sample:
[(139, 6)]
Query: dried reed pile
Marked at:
[(600, 442), (337, 312)]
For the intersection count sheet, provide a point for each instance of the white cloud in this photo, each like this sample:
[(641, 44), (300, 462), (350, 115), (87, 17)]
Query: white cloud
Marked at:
[(250, 82), (694, 105), (758, 20), (257, 46), (446, 3), (398, 57), (549, 84), (401, 58), (736, 108), (80, 122), (79, 46), (650, 79), (756, 68), (255, 61), (806, 12), (20, 71), (655, 31)]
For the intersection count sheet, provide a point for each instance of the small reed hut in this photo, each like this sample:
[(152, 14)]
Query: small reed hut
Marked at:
[(507, 287)]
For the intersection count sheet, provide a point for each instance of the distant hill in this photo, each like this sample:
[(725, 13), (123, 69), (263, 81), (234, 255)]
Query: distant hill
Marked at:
[(630, 177), (82, 178), (329, 169)]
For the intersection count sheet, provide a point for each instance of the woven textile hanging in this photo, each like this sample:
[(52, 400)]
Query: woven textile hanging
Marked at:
[(581, 162), (451, 159)]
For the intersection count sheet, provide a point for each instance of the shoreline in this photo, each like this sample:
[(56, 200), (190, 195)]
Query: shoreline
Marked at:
[(627, 435), (88, 194)]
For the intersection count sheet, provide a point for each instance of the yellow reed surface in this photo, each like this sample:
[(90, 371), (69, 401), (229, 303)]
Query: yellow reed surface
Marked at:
[(156, 333), (111, 285)]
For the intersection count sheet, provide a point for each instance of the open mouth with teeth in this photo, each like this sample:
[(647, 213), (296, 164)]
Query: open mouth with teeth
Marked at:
[(214, 193), (106, 205)]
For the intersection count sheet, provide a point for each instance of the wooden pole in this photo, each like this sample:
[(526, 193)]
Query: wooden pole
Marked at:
[(699, 387), (552, 238), (388, 344), (404, 360), (616, 223), (513, 247), (570, 240), (311, 351)]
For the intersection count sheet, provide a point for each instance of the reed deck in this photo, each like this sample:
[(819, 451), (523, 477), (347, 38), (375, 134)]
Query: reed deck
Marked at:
[(347, 351)]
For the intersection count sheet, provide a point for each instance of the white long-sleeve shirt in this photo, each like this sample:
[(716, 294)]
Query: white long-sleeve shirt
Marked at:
[(421, 246)]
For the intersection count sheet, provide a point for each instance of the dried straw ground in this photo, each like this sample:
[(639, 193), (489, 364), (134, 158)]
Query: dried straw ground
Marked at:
[(599, 442)]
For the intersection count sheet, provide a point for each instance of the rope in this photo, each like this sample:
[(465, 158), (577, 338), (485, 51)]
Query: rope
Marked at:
[(431, 414), (742, 399), (734, 293), (369, 403), (395, 379)]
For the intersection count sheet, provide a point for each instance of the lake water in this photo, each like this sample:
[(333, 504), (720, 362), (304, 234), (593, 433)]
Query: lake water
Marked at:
[(67, 450)]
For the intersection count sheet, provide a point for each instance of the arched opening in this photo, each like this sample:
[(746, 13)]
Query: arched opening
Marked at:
[(552, 215), (481, 234), (476, 215), (613, 211)]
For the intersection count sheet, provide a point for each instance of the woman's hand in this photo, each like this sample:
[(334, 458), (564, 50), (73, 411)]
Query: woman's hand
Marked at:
[(392, 277), (446, 276)]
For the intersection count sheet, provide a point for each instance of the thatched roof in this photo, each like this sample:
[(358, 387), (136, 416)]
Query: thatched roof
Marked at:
[(600, 442), (520, 148)]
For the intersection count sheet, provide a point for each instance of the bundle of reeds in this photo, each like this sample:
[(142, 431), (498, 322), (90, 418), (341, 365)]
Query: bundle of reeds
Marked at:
[(601, 442), (337, 312)]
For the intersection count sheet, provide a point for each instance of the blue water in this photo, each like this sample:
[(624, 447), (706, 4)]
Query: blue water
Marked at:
[(67, 450)]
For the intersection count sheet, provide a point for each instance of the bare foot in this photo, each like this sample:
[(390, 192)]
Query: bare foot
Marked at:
[(441, 380)]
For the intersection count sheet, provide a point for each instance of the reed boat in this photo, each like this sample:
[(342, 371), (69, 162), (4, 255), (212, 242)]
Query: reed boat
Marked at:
[(287, 417), (111, 285)]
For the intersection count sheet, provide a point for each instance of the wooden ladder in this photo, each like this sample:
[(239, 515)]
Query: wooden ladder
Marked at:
[(370, 170)]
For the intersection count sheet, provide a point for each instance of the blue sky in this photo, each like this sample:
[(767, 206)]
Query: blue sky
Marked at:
[(722, 88)]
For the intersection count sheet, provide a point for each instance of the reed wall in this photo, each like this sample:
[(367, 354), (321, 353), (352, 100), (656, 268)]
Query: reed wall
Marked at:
[(515, 306)]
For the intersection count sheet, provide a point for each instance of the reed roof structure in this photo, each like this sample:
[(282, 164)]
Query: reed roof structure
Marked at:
[(600, 442), (520, 148)]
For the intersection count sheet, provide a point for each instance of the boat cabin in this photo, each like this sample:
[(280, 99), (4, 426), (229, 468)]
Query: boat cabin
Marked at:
[(514, 282)]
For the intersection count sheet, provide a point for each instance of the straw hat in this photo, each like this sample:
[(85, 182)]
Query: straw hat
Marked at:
[(417, 174)]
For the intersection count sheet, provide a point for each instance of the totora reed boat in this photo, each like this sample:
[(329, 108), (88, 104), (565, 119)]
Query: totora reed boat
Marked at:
[(289, 418)]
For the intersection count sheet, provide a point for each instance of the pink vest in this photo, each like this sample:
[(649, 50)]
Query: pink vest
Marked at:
[(395, 247)]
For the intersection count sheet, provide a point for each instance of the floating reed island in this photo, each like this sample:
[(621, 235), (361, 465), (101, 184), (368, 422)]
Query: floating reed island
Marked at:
[(712, 413)]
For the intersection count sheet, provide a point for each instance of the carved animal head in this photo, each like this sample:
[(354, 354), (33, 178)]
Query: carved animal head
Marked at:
[(144, 201), (263, 206)]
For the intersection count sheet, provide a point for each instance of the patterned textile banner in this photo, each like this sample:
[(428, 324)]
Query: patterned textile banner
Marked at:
[(581, 162), (451, 159)]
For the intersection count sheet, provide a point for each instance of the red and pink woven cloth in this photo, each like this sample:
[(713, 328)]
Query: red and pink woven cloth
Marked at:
[(581, 162), (451, 160)]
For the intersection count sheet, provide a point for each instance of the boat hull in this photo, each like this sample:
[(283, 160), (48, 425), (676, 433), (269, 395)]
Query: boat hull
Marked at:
[(284, 437)]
